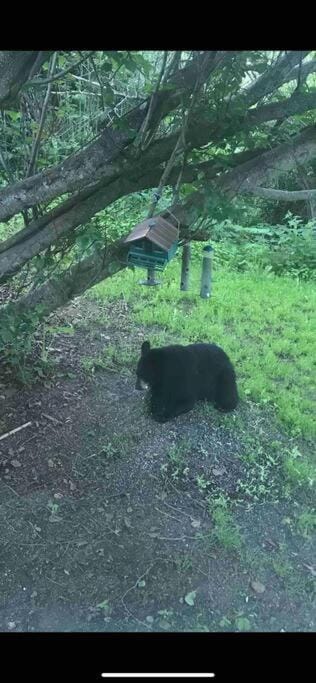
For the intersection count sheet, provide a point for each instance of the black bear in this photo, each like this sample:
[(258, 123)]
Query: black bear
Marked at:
[(178, 376)]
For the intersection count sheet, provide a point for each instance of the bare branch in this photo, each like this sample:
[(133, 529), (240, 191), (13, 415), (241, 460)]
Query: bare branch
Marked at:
[(61, 74), (306, 69), (37, 140), (299, 76), (274, 77), (57, 291), (299, 151), (141, 138), (99, 80), (297, 104), (282, 195)]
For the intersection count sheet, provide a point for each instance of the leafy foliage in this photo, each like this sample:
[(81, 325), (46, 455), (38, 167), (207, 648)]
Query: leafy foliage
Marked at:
[(288, 249)]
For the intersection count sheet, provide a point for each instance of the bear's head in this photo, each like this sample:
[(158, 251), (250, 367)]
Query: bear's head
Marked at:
[(145, 368)]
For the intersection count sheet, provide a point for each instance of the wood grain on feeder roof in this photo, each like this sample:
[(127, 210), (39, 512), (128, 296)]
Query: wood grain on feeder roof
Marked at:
[(157, 230)]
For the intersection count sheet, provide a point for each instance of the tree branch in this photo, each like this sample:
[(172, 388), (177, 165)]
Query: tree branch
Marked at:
[(145, 177), (61, 74), (297, 104), (37, 141), (282, 195), (140, 139), (97, 159), (306, 69), (267, 167), (274, 77), (207, 131)]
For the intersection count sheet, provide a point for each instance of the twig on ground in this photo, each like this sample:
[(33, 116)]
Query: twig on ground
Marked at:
[(14, 431)]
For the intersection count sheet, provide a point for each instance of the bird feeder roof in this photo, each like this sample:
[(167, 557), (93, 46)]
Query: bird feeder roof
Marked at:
[(156, 230)]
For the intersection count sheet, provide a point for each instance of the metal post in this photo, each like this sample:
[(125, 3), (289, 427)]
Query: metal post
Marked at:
[(151, 276), (206, 278), (185, 269), (151, 280), (151, 270)]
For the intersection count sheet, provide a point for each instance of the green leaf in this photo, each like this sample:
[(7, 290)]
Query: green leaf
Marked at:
[(224, 622), (109, 96), (243, 624), (60, 330), (187, 188), (104, 605), (190, 598), (14, 115), (107, 66)]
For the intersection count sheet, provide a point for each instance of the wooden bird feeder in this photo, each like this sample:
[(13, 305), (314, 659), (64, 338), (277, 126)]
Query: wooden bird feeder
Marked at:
[(153, 243)]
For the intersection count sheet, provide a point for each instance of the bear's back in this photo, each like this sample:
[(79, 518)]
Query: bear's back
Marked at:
[(211, 354), (202, 356)]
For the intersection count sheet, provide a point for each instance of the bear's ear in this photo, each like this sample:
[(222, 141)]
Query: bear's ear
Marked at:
[(145, 348)]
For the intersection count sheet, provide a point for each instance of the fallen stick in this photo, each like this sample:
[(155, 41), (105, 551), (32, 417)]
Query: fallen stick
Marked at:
[(13, 431), (53, 419)]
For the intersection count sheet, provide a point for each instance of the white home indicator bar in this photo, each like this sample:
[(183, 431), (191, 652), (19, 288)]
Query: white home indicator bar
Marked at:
[(156, 675)]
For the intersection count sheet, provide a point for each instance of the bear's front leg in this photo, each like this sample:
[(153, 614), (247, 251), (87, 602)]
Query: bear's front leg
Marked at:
[(171, 410), (157, 408)]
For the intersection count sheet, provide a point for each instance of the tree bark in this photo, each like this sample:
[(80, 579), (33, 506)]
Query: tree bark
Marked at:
[(16, 67), (59, 290), (270, 165), (283, 195), (274, 77)]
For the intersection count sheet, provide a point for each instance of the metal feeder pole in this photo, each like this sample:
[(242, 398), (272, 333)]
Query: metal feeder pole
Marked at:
[(185, 268), (206, 278)]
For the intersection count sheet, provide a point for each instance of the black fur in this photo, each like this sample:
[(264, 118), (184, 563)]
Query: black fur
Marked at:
[(178, 376)]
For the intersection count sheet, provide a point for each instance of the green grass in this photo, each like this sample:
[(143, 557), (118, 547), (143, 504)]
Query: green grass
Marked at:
[(306, 522), (299, 470), (176, 453), (225, 530), (115, 359), (282, 566), (267, 324)]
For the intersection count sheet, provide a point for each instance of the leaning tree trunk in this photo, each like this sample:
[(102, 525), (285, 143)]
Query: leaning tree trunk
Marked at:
[(245, 178), (60, 290)]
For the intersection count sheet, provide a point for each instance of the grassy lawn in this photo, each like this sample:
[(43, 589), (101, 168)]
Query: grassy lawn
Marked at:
[(266, 324)]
